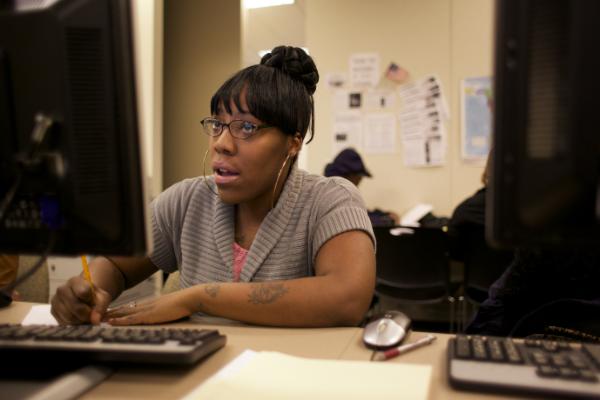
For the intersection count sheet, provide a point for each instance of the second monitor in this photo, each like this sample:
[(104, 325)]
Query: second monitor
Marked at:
[(70, 162)]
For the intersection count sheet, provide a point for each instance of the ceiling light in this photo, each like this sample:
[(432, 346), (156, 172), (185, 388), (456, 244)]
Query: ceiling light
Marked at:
[(261, 53), (265, 3)]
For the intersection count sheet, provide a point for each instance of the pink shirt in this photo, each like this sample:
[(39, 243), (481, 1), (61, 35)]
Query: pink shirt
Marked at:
[(239, 259)]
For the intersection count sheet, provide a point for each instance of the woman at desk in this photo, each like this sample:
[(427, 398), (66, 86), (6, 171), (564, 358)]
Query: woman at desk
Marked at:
[(260, 240)]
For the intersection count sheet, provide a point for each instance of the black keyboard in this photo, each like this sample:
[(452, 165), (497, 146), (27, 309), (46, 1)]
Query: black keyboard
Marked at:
[(106, 344), (525, 367)]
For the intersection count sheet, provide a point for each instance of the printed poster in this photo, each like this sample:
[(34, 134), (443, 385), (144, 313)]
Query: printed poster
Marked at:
[(476, 118), (424, 111), (379, 135)]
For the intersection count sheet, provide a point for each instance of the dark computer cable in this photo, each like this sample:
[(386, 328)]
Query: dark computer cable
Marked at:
[(5, 292), (30, 158), (10, 195), (51, 241)]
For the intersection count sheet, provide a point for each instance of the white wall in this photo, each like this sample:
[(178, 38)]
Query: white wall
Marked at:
[(472, 55), (449, 38), (148, 42), (267, 27), (202, 49)]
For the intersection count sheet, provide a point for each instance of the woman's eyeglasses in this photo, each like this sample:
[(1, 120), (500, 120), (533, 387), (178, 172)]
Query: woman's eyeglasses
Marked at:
[(238, 128)]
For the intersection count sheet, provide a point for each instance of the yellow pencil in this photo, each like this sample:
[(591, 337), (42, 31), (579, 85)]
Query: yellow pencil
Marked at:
[(86, 274)]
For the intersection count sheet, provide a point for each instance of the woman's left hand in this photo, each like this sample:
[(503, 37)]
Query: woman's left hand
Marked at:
[(165, 308)]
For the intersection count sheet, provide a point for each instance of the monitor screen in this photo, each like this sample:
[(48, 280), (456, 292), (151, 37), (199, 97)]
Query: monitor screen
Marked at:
[(70, 162), (546, 148)]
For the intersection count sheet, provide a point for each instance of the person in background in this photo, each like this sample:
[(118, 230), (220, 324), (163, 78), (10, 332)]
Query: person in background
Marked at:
[(466, 227), (466, 232), (259, 241), (348, 164), (468, 219), (547, 293), (539, 292)]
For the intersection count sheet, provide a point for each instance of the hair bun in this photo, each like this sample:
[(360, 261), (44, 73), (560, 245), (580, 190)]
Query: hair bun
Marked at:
[(296, 63)]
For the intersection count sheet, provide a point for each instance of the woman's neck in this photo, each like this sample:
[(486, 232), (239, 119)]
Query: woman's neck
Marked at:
[(249, 215), (248, 219)]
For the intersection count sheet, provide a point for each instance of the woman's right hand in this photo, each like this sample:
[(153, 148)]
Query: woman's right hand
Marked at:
[(76, 303)]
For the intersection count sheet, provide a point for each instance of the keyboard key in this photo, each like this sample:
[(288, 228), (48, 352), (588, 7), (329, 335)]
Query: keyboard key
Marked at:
[(512, 353), (550, 346), (578, 362), (568, 373), (548, 371), (540, 358), (562, 345), (593, 351), (463, 347), (495, 349), (21, 334), (6, 332), (587, 376), (479, 351), (560, 360)]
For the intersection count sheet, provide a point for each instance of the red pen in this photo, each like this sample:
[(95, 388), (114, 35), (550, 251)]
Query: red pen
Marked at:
[(405, 348)]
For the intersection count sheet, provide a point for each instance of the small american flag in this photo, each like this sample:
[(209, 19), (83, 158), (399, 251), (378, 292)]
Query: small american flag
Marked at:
[(396, 73)]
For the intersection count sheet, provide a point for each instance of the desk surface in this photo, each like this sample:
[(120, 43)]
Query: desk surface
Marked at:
[(327, 343)]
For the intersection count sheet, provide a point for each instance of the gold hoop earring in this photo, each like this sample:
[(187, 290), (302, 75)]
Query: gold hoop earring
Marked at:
[(204, 173), (277, 181)]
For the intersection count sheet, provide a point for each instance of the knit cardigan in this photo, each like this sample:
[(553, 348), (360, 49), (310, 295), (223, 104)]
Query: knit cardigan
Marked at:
[(193, 230)]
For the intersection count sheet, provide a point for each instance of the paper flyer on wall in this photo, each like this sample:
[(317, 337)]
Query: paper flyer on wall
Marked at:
[(336, 80), (347, 131), (423, 152), (364, 70), (344, 100), (424, 92), (476, 118), (380, 99), (379, 134), (422, 127)]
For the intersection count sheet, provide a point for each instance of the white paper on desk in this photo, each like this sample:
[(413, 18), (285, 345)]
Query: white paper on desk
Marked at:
[(412, 216), (39, 315), (270, 375)]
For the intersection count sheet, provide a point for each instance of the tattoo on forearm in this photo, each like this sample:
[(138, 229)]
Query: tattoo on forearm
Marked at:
[(212, 289), (266, 293)]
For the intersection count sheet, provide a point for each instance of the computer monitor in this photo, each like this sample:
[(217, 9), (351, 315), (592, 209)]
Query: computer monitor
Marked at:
[(545, 183), (70, 162)]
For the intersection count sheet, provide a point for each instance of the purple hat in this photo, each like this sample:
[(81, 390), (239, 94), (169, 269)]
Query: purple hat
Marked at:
[(346, 163)]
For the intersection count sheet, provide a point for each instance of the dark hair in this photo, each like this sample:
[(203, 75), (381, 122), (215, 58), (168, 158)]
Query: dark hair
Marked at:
[(278, 90)]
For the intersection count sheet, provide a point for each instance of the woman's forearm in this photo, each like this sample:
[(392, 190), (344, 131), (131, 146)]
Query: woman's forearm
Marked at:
[(107, 276), (308, 302), (115, 274)]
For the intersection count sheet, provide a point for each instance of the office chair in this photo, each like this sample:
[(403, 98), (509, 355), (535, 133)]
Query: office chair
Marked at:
[(413, 267)]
